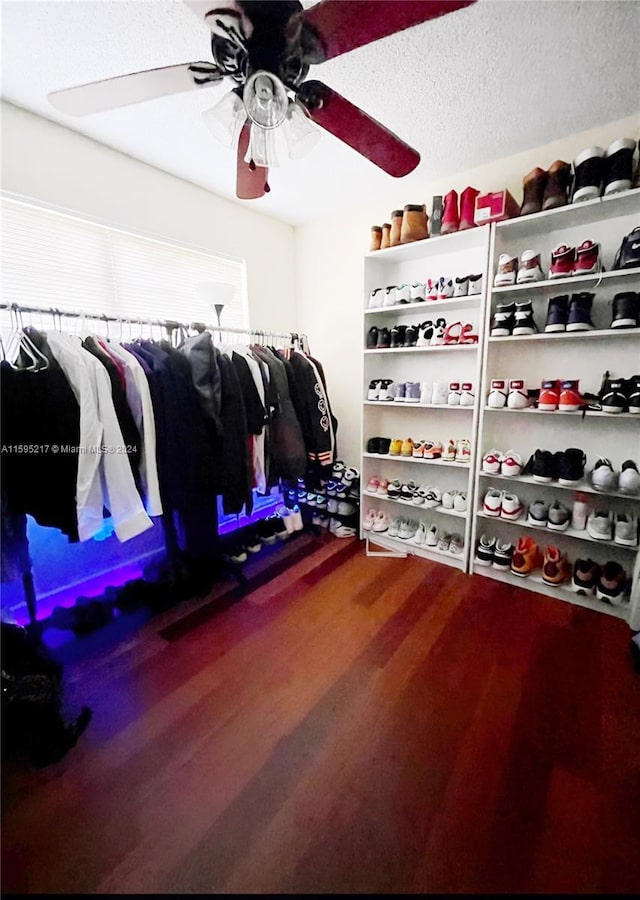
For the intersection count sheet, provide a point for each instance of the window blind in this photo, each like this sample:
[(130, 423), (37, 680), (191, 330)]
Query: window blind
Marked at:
[(52, 259)]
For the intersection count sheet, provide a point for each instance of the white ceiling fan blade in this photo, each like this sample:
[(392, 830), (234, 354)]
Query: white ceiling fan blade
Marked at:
[(100, 96)]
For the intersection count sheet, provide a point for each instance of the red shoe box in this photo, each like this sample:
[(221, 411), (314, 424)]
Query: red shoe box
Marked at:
[(495, 207)]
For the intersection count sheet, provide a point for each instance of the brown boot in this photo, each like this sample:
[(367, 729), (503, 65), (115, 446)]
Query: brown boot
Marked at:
[(414, 224), (386, 236), (396, 227), (533, 186), (555, 193), (376, 238)]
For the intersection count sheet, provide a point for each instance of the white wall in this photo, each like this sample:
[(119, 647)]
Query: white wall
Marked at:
[(330, 265), (51, 164)]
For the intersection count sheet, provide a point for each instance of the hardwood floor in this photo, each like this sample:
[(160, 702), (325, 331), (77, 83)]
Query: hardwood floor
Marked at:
[(351, 725)]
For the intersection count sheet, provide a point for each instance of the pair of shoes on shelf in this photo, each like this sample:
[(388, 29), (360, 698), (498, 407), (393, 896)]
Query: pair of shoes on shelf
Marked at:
[(565, 262), (604, 478)]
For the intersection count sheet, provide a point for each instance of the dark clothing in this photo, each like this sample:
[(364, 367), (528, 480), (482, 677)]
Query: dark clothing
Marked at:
[(236, 472), (313, 412), (254, 408), (205, 373)]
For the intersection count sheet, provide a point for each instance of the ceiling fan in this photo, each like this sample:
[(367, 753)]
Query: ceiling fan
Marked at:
[(266, 48)]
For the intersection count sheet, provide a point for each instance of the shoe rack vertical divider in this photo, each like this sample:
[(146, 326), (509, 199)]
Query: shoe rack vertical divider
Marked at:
[(584, 355), (455, 255)]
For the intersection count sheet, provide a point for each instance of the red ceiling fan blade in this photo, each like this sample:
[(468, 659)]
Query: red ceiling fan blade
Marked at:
[(112, 93), (343, 25), (251, 183), (357, 129)]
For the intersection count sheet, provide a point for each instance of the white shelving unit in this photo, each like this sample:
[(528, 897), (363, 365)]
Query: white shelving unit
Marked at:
[(455, 255), (585, 356)]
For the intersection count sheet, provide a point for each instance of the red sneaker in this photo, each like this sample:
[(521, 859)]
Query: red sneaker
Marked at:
[(587, 259), (571, 400), (468, 208), (563, 260), (549, 395), (450, 217)]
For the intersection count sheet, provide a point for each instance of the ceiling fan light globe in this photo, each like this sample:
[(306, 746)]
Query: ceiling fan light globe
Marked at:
[(265, 100), (225, 119), (300, 133)]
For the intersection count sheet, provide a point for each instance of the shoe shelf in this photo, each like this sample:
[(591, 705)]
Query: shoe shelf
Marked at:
[(588, 414), (535, 582), (552, 534), (584, 214), (583, 487), (410, 405), (416, 459), (428, 306), (553, 285), (600, 333), (417, 507), (452, 256), (409, 548), (438, 348)]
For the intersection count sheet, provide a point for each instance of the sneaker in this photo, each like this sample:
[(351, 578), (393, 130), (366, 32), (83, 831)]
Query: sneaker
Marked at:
[(433, 497), (618, 166), (420, 496), (407, 447), (432, 536), (580, 312), (266, 531), (585, 576), (420, 537), (633, 394), (507, 270), (498, 394), (456, 545), (408, 491), (252, 540), (628, 255), (571, 400), (549, 397), (410, 336), (467, 395), (530, 268), (396, 447), (524, 321), (432, 450), (502, 555), (372, 338), (512, 508), (453, 397), (504, 318), (381, 523), (382, 488), (431, 292), (384, 339), (613, 396), (418, 292), (425, 333), (426, 393), (443, 543), (555, 568), (397, 336), (386, 392), (518, 397), (611, 585), (463, 450), (570, 465), (412, 392), (492, 503), (492, 461), (345, 531), (439, 329), (538, 514), (448, 498), (418, 449), (403, 294), (559, 516), (557, 314), (399, 391), (376, 298), (445, 288), (600, 525), (369, 520), (587, 259), (389, 296), (626, 310), (626, 529), (460, 502), (407, 529), (588, 169), (511, 464), (373, 391), (449, 451), (526, 557), (346, 508), (603, 478), (394, 488), (629, 479), (475, 284), (563, 259), (542, 466), (461, 286)]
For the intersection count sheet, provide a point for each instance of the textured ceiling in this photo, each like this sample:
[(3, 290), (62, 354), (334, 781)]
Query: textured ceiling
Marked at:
[(477, 85)]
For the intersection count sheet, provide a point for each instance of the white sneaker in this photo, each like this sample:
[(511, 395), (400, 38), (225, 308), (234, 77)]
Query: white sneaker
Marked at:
[(530, 268), (453, 398), (373, 392), (460, 502), (448, 499), (463, 450), (600, 525), (512, 508), (498, 394), (433, 496), (438, 333), (426, 392), (444, 543), (403, 294), (467, 395), (491, 461), (376, 298), (626, 530), (431, 289), (420, 538), (518, 397), (461, 286), (440, 393), (387, 390), (603, 478), (296, 518), (492, 503), (507, 270), (285, 514), (512, 464), (432, 536), (629, 478), (389, 296), (425, 333), (456, 546), (417, 292), (475, 284), (445, 288)]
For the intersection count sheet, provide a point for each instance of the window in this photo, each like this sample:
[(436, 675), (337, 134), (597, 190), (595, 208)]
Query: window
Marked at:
[(52, 259)]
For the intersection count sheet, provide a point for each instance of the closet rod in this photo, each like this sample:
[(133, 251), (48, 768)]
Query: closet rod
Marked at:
[(169, 324)]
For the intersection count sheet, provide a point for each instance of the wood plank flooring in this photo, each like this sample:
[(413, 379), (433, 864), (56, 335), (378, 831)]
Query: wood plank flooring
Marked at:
[(351, 725)]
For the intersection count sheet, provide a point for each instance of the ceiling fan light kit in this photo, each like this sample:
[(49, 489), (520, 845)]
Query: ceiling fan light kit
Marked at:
[(267, 47)]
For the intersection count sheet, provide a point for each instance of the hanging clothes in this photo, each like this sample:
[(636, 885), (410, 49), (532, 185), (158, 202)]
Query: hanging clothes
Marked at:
[(236, 474), (314, 411)]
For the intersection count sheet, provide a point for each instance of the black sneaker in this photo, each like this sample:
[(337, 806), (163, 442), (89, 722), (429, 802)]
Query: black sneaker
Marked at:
[(384, 339), (557, 314), (524, 321), (279, 529), (234, 551), (570, 466), (411, 336), (633, 394), (397, 335), (588, 168), (613, 396), (626, 310), (251, 540), (504, 318), (580, 312), (542, 465), (372, 338), (618, 166), (628, 256)]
